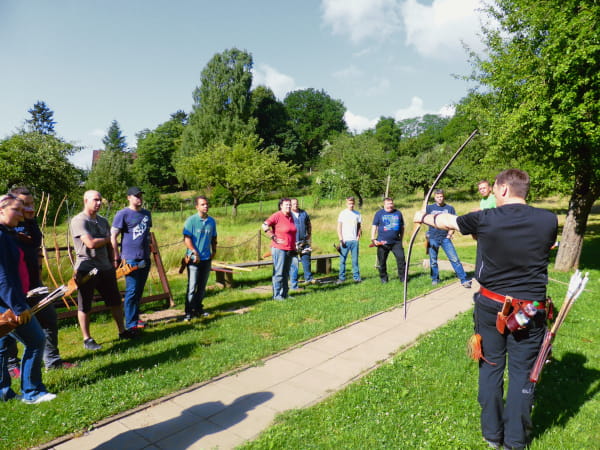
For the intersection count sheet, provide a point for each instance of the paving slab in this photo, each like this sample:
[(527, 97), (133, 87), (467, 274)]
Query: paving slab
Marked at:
[(230, 410)]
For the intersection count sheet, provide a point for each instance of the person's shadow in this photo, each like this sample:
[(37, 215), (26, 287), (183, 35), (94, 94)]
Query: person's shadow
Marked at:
[(191, 425), (565, 386)]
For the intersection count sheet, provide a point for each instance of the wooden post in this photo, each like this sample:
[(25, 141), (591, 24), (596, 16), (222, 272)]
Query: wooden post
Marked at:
[(161, 269), (258, 254)]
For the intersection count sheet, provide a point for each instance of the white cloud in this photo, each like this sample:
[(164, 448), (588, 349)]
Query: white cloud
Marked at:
[(415, 109), (436, 31), (362, 19), (358, 124), (447, 111), (279, 83)]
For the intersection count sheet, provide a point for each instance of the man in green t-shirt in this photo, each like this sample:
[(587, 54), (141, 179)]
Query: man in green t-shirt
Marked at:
[(488, 200)]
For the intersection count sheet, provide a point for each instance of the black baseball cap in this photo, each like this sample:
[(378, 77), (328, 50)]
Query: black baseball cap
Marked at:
[(134, 191)]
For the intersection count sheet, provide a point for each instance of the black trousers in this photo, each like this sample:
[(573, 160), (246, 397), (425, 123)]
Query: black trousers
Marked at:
[(382, 255), (508, 422)]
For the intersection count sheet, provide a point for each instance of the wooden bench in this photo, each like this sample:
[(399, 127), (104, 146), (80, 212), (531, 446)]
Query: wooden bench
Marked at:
[(225, 278)]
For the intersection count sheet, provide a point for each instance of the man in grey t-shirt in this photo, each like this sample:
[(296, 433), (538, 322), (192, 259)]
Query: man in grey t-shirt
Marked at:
[(91, 239)]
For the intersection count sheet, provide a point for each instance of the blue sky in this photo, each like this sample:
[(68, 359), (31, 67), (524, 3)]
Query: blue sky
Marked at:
[(138, 61)]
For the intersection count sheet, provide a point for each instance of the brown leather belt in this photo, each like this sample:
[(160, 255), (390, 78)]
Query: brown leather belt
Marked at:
[(503, 298)]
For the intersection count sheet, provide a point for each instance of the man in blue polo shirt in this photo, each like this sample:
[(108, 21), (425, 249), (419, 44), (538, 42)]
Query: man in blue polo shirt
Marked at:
[(200, 238)]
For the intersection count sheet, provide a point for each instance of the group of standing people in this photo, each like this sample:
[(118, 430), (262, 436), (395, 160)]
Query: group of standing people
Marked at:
[(290, 232), (513, 245)]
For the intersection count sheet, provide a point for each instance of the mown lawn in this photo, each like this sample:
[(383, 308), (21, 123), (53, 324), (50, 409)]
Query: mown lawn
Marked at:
[(426, 397), (245, 327)]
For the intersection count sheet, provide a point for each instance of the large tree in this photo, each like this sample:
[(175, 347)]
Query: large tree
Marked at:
[(356, 164), (272, 125), (540, 100), (221, 103), (153, 168), (315, 117), (39, 161), (242, 169), (41, 118)]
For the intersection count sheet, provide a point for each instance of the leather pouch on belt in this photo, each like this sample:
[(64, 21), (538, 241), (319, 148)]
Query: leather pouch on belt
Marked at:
[(549, 309), (125, 269), (503, 315)]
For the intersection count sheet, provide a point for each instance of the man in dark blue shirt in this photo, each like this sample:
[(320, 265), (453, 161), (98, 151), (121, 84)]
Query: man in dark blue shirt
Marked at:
[(133, 223), (443, 238), (386, 234)]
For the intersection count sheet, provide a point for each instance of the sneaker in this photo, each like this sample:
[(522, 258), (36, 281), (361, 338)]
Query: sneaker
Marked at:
[(358, 281), (203, 314), (384, 280), (91, 344), (435, 282), (279, 299), (187, 318), (141, 324), (493, 444), (130, 333), (467, 284), (338, 281), (311, 281), (45, 397), (14, 372), (62, 365)]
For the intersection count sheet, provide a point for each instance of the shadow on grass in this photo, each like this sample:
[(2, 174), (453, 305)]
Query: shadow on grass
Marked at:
[(565, 387), (191, 425), (591, 249)]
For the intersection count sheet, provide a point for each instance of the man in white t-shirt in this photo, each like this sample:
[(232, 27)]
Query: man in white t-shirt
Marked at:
[(349, 231)]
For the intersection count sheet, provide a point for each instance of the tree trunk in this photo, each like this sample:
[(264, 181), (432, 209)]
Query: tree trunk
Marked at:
[(580, 206), (234, 207)]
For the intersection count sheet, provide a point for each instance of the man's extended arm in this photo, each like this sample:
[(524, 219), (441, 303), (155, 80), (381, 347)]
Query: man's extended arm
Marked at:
[(439, 221)]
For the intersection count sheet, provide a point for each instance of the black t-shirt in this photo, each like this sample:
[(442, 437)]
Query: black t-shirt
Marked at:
[(513, 247)]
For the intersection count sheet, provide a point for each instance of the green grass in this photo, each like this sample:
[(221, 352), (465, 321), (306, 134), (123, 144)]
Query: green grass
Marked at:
[(426, 397), (171, 356), (174, 355)]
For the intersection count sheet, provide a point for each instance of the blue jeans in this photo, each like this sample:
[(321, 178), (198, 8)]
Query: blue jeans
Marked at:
[(352, 248), (196, 289), (294, 269), (32, 337), (49, 322), (282, 260), (134, 288), (446, 244)]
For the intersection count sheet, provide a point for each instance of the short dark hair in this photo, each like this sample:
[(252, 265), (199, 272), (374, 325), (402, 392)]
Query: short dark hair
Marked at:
[(483, 181), (438, 191), (20, 190), (350, 199), (284, 199), (388, 199), (197, 198), (518, 181)]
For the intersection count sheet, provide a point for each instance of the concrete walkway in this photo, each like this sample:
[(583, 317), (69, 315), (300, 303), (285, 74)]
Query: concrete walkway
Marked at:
[(230, 410)]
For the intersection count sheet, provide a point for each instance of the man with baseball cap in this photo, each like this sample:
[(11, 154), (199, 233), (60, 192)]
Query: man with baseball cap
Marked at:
[(133, 223)]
